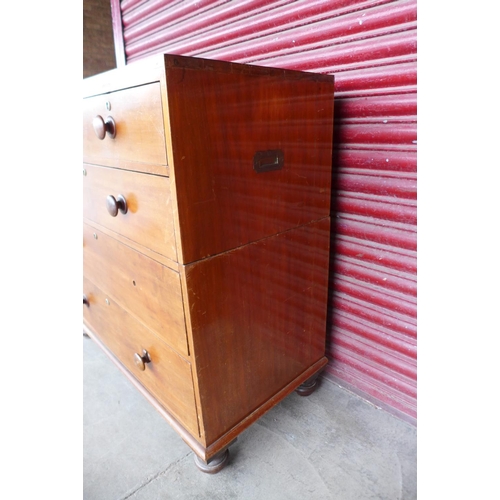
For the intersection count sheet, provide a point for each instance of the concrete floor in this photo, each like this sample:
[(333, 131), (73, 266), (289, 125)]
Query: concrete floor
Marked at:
[(330, 445)]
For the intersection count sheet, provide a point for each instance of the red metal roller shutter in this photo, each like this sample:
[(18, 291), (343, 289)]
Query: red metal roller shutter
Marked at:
[(370, 47)]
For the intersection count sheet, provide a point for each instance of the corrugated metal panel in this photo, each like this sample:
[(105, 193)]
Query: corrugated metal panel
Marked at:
[(370, 47)]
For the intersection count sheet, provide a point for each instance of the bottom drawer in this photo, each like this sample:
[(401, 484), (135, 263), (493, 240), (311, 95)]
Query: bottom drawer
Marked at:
[(167, 376)]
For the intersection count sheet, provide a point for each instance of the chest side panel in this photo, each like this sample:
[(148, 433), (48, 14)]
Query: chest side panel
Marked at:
[(252, 155), (258, 320)]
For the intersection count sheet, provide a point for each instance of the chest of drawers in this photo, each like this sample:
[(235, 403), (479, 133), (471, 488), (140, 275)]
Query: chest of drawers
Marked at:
[(206, 233)]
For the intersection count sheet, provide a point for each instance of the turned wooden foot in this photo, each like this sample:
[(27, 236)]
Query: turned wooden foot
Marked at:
[(215, 464), (309, 386)]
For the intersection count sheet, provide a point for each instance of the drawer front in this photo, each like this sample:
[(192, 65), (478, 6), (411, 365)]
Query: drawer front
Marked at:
[(139, 143), (168, 376), (148, 220), (142, 286)]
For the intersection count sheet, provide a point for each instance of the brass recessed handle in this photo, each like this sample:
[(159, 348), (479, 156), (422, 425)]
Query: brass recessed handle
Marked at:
[(140, 361), (103, 127), (85, 301), (114, 204)]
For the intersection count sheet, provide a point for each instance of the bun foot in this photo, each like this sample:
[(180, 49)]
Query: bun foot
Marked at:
[(308, 387), (215, 464)]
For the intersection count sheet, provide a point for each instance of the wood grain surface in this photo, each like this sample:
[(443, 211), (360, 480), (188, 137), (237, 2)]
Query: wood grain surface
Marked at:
[(146, 289), (140, 137), (219, 268), (167, 377), (219, 120), (149, 219), (258, 320)]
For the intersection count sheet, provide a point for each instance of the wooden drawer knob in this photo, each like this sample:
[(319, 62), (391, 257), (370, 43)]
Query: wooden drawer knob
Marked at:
[(85, 301), (114, 204), (101, 127), (140, 361)]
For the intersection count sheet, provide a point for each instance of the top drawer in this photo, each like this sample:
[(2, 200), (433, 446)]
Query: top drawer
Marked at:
[(139, 143)]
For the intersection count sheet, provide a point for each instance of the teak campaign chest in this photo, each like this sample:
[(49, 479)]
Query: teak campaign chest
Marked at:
[(206, 235)]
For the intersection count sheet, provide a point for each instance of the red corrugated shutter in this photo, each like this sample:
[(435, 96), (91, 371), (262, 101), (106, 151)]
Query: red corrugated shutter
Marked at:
[(370, 46)]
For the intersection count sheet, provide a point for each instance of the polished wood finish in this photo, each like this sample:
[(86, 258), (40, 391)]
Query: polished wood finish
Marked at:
[(139, 143), (168, 375), (135, 245), (219, 272), (260, 330), (205, 453), (231, 116), (148, 290), (235, 431), (149, 219)]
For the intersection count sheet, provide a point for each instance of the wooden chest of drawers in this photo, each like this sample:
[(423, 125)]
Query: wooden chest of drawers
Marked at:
[(206, 237)]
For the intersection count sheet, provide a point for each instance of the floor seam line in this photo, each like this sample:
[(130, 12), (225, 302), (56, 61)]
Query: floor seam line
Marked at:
[(158, 474)]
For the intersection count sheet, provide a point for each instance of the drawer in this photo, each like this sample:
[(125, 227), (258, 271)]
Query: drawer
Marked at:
[(139, 143), (149, 219), (144, 287), (167, 377)]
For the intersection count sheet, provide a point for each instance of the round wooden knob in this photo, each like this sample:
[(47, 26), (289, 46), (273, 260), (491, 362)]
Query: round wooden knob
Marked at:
[(99, 127), (85, 301), (140, 361), (103, 127), (110, 127), (114, 204)]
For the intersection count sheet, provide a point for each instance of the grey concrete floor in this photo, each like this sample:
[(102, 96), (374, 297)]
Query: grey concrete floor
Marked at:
[(330, 445)]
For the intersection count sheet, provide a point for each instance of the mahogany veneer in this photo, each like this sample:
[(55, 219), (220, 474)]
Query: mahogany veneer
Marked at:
[(206, 237)]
